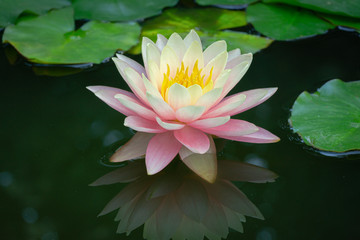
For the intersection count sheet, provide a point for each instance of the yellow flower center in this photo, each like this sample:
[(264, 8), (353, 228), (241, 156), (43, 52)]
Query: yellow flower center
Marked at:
[(182, 77)]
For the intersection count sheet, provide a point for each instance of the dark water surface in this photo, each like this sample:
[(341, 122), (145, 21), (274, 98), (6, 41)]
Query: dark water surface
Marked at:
[(55, 134)]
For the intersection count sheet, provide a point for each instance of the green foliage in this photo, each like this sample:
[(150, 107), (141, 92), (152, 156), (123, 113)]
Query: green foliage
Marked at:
[(11, 9), (330, 118), (348, 8), (52, 38), (207, 22), (343, 21), (224, 2), (283, 22), (119, 10)]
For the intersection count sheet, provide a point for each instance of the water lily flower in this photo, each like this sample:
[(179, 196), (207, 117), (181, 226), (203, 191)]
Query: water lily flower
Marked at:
[(178, 102)]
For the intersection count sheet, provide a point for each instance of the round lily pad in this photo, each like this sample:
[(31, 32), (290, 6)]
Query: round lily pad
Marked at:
[(208, 23), (119, 10), (283, 22), (329, 119), (52, 38), (11, 9), (224, 2)]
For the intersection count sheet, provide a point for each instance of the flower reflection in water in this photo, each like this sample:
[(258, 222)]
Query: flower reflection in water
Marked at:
[(178, 103), (178, 204)]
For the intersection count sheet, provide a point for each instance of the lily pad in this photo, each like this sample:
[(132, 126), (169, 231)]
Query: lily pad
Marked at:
[(330, 118), (52, 38), (282, 22), (343, 21), (224, 2), (207, 22), (349, 8), (119, 10), (11, 9)]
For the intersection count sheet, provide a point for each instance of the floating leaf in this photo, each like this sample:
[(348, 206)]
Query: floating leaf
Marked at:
[(339, 7), (224, 2), (343, 21), (207, 22), (282, 22), (57, 42), (119, 10), (11, 9), (330, 118)]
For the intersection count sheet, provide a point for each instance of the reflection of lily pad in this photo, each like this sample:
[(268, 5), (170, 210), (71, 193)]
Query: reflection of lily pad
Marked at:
[(339, 7), (282, 22), (119, 10), (330, 118), (207, 22), (51, 38), (11, 9)]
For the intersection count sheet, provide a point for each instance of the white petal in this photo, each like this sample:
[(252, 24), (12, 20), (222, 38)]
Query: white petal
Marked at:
[(161, 41), (177, 44), (233, 54), (189, 113), (239, 59), (193, 53), (178, 96), (217, 64), (136, 107), (208, 99), (227, 105), (154, 74), (195, 92), (161, 107), (169, 58), (191, 37), (144, 43), (133, 64), (222, 79), (210, 122), (213, 50), (152, 54), (150, 87), (235, 76), (169, 125)]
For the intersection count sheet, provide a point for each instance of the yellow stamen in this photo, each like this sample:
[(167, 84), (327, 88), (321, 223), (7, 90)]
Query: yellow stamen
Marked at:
[(182, 77)]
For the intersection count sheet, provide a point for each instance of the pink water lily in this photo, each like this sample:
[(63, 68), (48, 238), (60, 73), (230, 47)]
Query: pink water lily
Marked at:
[(178, 102)]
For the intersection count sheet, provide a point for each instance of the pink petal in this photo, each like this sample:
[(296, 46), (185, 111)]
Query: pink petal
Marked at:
[(195, 140), (189, 113), (235, 76), (133, 64), (107, 94), (233, 54), (210, 122), (225, 106), (136, 107), (253, 98), (169, 125), (143, 125), (134, 148), (239, 59), (261, 136), (161, 150), (233, 128), (161, 107), (204, 165)]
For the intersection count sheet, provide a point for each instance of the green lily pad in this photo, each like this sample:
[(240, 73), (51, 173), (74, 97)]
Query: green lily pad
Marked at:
[(330, 118), (283, 22), (119, 10), (11, 9), (224, 2), (207, 22), (349, 8), (343, 21), (51, 38)]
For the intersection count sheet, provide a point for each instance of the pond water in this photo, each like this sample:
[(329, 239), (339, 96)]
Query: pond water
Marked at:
[(56, 138)]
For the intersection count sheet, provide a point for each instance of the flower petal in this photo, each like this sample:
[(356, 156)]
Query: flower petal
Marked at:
[(210, 122), (233, 54), (217, 65), (154, 74), (107, 94), (143, 125), (152, 54), (134, 148), (253, 98), (222, 79), (195, 140), (208, 99), (204, 165), (177, 44), (239, 59), (133, 64), (161, 41), (233, 128), (191, 37), (136, 107), (213, 50), (178, 96), (169, 125), (193, 53), (189, 113), (226, 105), (195, 92), (161, 149), (144, 43), (235, 75), (150, 87), (169, 60), (161, 107), (260, 136)]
